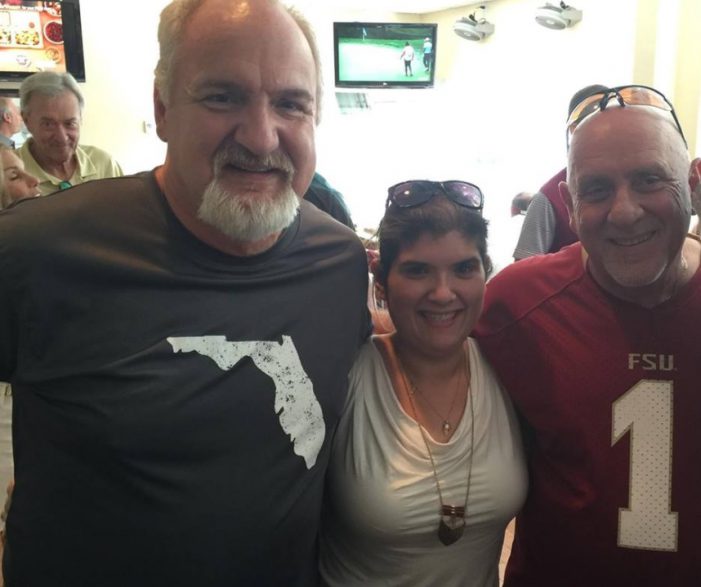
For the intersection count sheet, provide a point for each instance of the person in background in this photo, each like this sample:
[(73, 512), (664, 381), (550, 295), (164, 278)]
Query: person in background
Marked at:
[(15, 183), (10, 121), (546, 227), (52, 108), (596, 345), (504, 231), (427, 53), (328, 199), (177, 367), (520, 203), (407, 56), (427, 467)]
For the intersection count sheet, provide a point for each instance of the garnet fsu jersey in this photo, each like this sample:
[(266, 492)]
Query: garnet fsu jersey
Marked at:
[(610, 393)]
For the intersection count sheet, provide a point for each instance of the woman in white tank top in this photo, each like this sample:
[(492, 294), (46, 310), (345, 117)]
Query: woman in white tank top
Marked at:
[(427, 466)]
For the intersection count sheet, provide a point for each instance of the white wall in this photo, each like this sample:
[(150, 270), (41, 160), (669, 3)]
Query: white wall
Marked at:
[(120, 54), (495, 117)]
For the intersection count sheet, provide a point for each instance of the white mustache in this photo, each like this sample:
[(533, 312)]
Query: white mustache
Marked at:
[(240, 157)]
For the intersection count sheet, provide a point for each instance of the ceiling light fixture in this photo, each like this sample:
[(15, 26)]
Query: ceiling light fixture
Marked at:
[(473, 28), (557, 17)]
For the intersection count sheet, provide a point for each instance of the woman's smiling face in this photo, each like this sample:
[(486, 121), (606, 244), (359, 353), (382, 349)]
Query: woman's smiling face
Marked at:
[(434, 292)]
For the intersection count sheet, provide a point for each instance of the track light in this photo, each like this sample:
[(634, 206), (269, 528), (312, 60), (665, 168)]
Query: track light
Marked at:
[(473, 28), (557, 17)]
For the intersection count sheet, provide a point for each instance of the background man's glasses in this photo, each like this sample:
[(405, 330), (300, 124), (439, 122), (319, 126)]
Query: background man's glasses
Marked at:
[(416, 192), (625, 96)]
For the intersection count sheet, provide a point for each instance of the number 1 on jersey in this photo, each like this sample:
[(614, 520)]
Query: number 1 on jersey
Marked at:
[(645, 411)]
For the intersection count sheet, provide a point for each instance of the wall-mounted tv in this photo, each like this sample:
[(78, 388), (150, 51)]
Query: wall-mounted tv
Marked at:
[(40, 36), (384, 54)]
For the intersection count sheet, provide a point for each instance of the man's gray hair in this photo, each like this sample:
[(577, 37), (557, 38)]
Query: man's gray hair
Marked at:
[(48, 83), (171, 27), (4, 104)]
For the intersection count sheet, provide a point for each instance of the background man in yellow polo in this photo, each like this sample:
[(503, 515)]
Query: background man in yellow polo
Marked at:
[(52, 107)]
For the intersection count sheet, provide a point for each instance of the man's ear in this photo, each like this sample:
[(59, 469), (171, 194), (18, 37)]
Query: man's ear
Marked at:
[(695, 173), (159, 115), (695, 184), (567, 199)]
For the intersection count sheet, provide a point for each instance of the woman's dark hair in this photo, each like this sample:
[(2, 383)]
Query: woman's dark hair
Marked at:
[(401, 227)]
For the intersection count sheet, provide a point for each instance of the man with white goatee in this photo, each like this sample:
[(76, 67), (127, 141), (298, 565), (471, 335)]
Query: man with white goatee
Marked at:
[(177, 367)]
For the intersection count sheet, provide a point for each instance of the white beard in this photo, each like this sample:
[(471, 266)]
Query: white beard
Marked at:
[(247, 218), (631, 275)]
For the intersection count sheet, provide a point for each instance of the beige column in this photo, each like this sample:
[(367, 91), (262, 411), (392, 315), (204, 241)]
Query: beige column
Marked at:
[(687, 89), (667, 50), (645, 42)]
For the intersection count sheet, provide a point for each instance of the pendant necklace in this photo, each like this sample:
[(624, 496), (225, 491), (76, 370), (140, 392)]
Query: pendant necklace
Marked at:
[(452, 524), (446, 426)]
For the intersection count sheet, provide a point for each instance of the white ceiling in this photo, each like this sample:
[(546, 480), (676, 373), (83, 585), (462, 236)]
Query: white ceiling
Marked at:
[(407, 6)]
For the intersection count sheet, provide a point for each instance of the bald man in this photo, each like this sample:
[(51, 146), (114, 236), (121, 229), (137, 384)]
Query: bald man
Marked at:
[(597, 345)]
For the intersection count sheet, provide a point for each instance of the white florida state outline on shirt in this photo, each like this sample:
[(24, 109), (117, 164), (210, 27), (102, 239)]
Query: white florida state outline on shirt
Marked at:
[(296, 405)]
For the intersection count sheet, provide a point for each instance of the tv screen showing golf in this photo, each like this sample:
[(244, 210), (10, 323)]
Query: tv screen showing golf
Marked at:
[(384, 55)]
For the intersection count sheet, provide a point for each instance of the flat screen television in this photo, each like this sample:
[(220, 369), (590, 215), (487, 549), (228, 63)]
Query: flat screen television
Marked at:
[(384, 54), (40, 36)]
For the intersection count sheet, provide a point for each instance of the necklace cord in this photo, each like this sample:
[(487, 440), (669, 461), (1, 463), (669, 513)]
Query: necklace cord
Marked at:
[(413, 389), (445, 510)]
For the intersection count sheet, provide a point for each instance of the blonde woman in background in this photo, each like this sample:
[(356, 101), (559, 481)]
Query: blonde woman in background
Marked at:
[(15, 183)]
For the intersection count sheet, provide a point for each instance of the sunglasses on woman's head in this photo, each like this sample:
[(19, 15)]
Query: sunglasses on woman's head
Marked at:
[(625, 96), (417, 192)]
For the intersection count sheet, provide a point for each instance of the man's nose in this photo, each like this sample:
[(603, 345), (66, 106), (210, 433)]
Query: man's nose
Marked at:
[(625, 206), (258, 130), (61, 132)]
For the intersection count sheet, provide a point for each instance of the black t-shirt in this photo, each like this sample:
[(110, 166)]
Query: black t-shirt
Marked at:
[(173, 404)]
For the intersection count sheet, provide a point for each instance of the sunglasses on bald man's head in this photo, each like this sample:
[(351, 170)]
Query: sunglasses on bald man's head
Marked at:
[(625, 96), (408, 194)]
